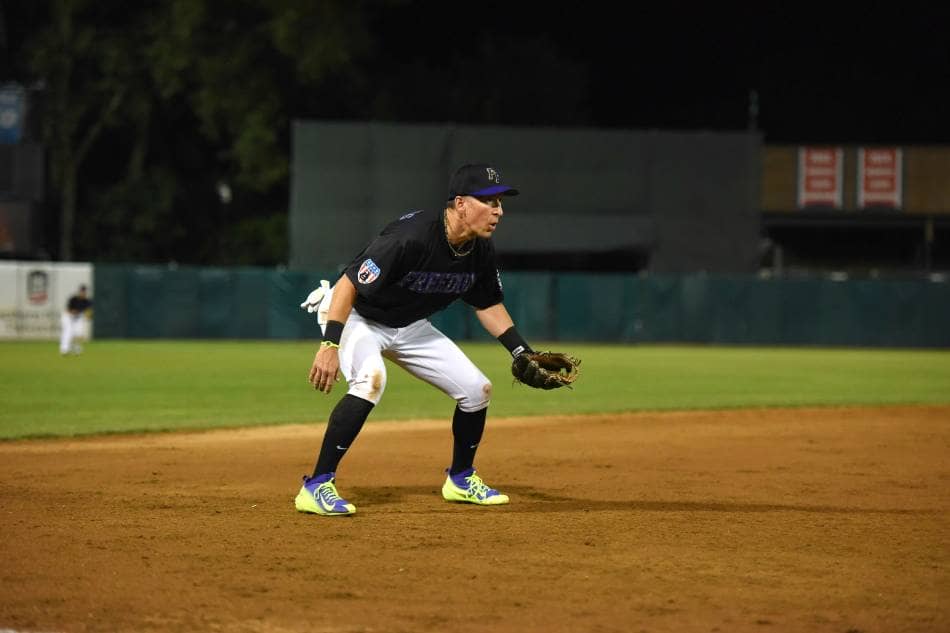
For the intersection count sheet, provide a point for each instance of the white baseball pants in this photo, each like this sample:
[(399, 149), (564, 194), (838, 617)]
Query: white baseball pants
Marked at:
[(73, 330), (420, 349)]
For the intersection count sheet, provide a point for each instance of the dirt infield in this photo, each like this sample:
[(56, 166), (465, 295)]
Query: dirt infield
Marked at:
[(754, 520)]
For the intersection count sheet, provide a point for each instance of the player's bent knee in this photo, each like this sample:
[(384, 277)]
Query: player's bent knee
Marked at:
[(369, 385), (477, 397)]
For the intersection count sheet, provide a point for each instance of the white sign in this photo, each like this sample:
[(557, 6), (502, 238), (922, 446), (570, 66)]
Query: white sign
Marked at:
[(33, 296)]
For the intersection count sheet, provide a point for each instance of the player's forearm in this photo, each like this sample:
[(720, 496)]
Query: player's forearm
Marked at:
[(341, 304), (344, 296), (495, 319)]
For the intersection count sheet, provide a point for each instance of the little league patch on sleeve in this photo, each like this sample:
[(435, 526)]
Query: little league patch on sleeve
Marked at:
[(369, 272)]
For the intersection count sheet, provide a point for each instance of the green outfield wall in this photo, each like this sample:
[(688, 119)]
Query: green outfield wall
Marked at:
[(185, 302), (582, 190)]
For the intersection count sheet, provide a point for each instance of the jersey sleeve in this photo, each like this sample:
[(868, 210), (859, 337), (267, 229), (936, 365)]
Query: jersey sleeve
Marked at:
[(486, 291), (379, 265)]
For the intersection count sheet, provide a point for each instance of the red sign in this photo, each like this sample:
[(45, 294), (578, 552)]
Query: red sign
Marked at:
[(820, 176), (880, 181)]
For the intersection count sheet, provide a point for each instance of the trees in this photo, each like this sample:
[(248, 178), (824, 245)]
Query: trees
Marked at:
[(166, 122), (84, 71), (153, 108)]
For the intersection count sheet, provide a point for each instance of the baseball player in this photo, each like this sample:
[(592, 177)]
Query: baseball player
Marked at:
[(74, 323), (378, 308)]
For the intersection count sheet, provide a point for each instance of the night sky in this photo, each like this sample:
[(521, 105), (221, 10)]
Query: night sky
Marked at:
[(870, 72), (819, 72)]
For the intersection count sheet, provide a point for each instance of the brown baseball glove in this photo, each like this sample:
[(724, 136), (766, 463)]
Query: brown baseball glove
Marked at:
[(545, 370)]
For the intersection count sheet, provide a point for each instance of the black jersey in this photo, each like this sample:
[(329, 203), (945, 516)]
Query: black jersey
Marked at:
[(78, 304), (409, 272)]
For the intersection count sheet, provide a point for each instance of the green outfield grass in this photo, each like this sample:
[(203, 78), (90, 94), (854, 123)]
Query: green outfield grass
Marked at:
[(131, 386)]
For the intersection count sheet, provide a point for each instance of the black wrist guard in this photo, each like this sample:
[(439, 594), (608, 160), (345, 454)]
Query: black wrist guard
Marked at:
[(514, 342), (333, 332)]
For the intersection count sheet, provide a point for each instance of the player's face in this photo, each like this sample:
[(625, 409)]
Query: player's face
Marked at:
[(484, 214)]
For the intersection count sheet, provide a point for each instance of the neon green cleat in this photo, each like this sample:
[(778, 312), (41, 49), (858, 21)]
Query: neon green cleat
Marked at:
[(467, 487), (318, 495)]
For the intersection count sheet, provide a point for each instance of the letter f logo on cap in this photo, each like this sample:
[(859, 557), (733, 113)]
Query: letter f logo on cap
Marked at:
[(478, 179)]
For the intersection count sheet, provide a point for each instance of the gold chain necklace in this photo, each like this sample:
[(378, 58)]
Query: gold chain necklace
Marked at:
[(455, 251)]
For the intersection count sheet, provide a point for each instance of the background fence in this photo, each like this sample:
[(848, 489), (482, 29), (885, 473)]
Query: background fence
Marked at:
[(158, 302)]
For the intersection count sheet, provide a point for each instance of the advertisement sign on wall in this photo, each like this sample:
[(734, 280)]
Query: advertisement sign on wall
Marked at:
[(880, 177), (33, 296), (820, 177)]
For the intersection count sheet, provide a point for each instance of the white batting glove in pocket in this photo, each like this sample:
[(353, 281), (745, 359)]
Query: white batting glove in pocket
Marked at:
[(312, 303), (323, 312)]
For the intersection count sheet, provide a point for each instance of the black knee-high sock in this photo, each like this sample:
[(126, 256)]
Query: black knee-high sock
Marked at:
[(467, 428), (343, 427)]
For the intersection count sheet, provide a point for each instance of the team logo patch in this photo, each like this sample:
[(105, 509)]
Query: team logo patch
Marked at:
[(369, 272)]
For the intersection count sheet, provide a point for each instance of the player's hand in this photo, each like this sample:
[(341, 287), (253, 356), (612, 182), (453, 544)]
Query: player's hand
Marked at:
[(326, 365)]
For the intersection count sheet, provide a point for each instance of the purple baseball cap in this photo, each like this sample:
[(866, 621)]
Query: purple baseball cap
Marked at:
[(478, 180)]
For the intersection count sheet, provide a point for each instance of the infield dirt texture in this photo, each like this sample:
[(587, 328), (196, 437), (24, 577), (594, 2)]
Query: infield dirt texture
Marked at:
[(823, 519)]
